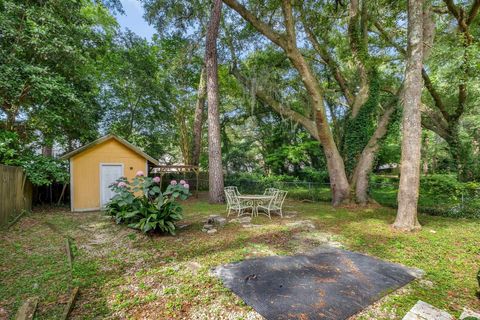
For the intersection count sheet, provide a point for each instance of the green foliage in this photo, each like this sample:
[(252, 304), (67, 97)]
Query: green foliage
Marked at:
[(44, 170), (9, 147), (142, 205), (48, 71), (41, 170), (440, 194), (137, 96), (359, 129), (258, 182)]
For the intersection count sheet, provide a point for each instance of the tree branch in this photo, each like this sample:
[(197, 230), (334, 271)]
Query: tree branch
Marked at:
[(263, 96), (473, 12), (428, 83), (264, 28), (330, 62), (289, 22), (357, 44), (453, 8)]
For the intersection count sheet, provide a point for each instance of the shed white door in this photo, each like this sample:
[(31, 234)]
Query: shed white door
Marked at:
[(109, 173)]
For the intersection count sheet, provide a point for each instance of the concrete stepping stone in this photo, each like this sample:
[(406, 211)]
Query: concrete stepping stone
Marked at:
[(424, 311), (469, 313)]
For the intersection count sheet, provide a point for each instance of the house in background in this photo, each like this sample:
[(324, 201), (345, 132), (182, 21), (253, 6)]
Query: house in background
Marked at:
[(95, 166)]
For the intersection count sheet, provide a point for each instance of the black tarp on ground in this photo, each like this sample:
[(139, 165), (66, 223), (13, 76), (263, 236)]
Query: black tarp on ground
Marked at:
[(327, 284)]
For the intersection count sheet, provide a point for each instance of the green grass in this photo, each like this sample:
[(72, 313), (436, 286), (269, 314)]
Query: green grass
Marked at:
[(124, 274)]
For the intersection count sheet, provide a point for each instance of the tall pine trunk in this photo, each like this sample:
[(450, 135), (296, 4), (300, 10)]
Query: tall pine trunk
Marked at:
[(198, 119), (215, 169), (411, 122)]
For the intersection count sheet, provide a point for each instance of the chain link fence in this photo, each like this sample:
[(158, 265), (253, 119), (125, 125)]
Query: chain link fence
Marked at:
[(450, 202)]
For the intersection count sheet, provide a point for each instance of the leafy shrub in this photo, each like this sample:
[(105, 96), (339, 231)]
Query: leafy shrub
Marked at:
[(142, 205), (257, 183), (41, 170)]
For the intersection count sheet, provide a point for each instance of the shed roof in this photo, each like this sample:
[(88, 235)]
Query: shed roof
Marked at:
[(106, 138)]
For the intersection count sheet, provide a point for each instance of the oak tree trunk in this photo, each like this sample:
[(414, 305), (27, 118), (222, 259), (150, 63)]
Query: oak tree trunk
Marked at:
[(339, 185), (215, 169), (365, 163), (411, 122), (198, 119)]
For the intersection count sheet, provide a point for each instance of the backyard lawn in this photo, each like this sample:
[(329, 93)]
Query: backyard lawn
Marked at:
[(125, 274)]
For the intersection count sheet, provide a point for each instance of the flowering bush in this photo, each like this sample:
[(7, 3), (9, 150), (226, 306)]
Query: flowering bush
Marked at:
[(142, 205)]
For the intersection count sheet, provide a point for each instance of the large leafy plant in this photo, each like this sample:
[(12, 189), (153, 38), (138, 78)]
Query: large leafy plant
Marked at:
[(142, 205)]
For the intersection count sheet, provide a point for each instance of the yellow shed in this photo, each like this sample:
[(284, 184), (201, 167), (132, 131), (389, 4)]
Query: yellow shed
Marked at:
[(97, 165)]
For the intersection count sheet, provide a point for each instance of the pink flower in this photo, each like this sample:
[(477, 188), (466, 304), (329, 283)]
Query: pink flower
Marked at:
[(186, 186), (182, 182), (122, 184), (156, 179), (140, 173), (173, 182)]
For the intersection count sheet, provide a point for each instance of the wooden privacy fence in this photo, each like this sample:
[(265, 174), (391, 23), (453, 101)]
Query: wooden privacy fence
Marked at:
[(15, 193)]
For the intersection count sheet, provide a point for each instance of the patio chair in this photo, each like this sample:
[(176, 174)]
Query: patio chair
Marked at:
[(270, 191), (276, 203), (234, 204), (234, 188)]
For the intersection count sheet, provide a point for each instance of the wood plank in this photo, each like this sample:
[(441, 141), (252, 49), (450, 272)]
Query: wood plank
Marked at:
[(15, 193), (71, 303), (68, 250), (27, 310)]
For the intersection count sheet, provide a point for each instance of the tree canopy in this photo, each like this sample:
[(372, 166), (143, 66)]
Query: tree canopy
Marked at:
[(308, 89)]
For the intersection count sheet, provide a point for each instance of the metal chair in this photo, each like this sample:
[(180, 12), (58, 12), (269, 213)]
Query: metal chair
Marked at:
[(234, 204), (270, 191), (235, 189), (276, 203)]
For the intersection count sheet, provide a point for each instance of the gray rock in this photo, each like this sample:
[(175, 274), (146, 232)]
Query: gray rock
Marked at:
[(216, 219), (424, 311), (220, 221), (245, 219), (208, 226), (302, 224), (249, 225), (242, 220), (469, 313), (212, 231)]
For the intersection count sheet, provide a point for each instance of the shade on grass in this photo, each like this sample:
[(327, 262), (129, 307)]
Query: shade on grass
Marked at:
[(327, 284)]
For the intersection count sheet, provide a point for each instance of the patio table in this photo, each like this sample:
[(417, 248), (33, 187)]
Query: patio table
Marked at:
[(255, 200)]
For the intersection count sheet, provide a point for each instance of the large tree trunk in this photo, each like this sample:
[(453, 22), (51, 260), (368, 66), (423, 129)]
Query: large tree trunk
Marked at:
[(411, 122), (336, 171), (198, 120), (215, 169), (460, 155), (365, 163), (288, 42), (335, 165), (184, 137)]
